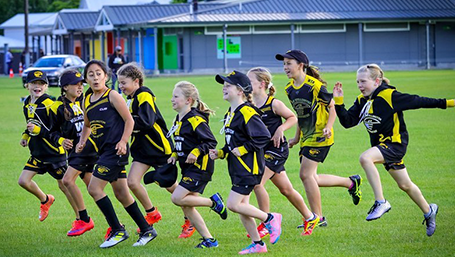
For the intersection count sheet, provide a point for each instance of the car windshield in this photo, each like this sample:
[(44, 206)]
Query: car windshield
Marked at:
[(50, 62)]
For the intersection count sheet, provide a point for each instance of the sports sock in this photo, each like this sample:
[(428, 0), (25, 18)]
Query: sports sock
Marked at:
[(84, 216), (107, 209), (47, 199), (426, 215), (136, 214), (381, 201), (269, 217), (150, 210), (259, 242)]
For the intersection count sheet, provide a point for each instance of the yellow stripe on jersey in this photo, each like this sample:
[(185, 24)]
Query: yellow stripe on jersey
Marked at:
[(269, 100), (195, 121), (93, 142), (145, 97), (386, 94), (55, 106), (205, 161), (255, 165), (247, 113), (29, 165), (196, 152), (396, 137), (105, 100), (59, 150), (153, 143), (244, 164), (87, 101), (359, 97), (48, 104), (166, 145)]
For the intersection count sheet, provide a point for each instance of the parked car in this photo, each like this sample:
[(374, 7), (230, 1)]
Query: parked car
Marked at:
[(54, 65)]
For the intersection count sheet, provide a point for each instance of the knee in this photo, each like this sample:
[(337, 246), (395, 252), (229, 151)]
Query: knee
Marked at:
[(405, 186), (305, 177), (365, 159), (23, 183), (61, 186), (93, 191), (133, 185), (286, 191), (176, 200), (232, 207), (67, 182)]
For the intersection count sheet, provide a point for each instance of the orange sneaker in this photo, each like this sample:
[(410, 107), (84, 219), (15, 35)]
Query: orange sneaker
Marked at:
[(187, 229), (44, 209), (262, 230), (80, 227)]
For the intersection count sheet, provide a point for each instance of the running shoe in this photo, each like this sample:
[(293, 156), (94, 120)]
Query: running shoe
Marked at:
[(254, 248), (262, 230), (431, 220), (377, 210), (207, 243), (308, 226), (187, 229), (274, 227), (114, 238), (219, 206), (80, 227), (44, 208), (354, 190), (145, 237)]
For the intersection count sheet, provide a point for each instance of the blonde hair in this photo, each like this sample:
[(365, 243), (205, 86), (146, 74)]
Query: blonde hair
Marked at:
[(264, 75), (375, 72), (189, 90)]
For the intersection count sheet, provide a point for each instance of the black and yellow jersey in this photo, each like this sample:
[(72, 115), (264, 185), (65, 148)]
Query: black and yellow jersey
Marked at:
[(71, 129), (244, 129), (192, 134), (382, 113), (271, 120), (310, 102), (149, 133), (40, 143), (105, 122)]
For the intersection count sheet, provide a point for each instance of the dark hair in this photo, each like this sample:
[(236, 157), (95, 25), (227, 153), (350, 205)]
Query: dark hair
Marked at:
[(103, 66), (68, 115), (132, 71)]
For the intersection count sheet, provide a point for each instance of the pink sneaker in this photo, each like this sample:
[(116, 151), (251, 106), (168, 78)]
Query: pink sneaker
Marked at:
[(254, 248), (274, 227)]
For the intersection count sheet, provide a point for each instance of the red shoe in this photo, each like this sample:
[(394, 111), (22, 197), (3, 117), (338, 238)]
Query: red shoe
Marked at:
[(80, 227), (262, 230), (44, 209), (187, 229), (151, 218)]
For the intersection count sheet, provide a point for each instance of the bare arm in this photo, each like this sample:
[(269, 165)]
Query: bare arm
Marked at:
[(332, 116), (86, 131), (120, 105), (282, 110)]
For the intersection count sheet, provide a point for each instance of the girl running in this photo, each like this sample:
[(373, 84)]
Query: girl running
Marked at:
[(46, 156), (315, 114), (193, 140), (380, 107), (276, 151), (69, 120), (246, 136), (149, 145), (107, 119)]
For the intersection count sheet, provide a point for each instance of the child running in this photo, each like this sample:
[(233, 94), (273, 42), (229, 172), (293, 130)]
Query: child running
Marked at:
[(276, 151), (46, 156), (149, 145), (69, 121), (193, 140), (107, 119), (380, 107), (246, 136), (315, 114)]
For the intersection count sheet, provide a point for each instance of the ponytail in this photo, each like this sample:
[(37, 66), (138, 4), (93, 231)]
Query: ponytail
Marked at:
[(190, 91), (313, 71), (66, 113), (375, 72)]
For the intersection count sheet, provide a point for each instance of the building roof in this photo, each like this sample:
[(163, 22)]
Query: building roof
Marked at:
[(96, 5), (78, 19), (34, 20), (322, 10)]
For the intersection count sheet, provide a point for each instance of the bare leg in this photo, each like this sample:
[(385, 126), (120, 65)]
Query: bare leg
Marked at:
[(135, 175), (368, 159), (122, 193), (326, 180), (26, 182), (183, 197), (261, 194), (308, 171), (69, 181), (69, 197), (240, 204), (405, 184)]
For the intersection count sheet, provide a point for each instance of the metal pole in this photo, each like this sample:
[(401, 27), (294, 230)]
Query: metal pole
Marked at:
[(27, 53), (139, 34), (427, 27), (360, 43), (155, 42), (292, 37), (5, 66), (102, 47), (225, 48)]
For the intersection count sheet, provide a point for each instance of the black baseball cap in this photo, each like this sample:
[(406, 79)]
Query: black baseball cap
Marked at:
[(71, 78), (165, 176), (296, 54), (236, 78), (36, 75)]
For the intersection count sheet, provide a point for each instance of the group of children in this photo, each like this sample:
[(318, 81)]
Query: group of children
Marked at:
[(87, 135)]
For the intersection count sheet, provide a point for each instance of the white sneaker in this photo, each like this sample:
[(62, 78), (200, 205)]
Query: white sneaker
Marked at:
[(114, 238), (377, 210), (146, 237)]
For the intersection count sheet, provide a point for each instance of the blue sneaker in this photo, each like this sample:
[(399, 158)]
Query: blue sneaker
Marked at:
[(377, 210), (207, 243), (219, 206)]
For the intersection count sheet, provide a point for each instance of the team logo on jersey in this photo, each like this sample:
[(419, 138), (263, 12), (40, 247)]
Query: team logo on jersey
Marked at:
[(370, 121), (100, 169), (96, 126), (302, 107), (314, 152), (38, 74)]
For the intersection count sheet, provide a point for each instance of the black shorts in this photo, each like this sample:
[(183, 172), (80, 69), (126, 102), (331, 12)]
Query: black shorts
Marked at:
[(83, 164), (275, 158), (317, 154), (393, 155), (109, 156), (192, 185), (153, 161), (243, 189), (55, 169), (108, 172)]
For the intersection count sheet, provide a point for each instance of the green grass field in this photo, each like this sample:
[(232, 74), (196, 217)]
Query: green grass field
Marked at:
[(430, 161)]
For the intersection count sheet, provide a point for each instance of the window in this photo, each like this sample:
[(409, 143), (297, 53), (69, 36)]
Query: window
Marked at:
[(322, 28), (230, 30), (379, 27), (273, 29)]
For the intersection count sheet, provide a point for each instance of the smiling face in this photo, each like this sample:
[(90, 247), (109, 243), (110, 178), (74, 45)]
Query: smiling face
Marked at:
[(128, 85), (74, 91), (37, 88), (231, 92), (96, 78), (292, 68), (179, 101), (366, 84)]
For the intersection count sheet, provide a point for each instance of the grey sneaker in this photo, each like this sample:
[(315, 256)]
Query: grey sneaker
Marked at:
[(114, 238), (378, 209), (146, 237), (431, 220)]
